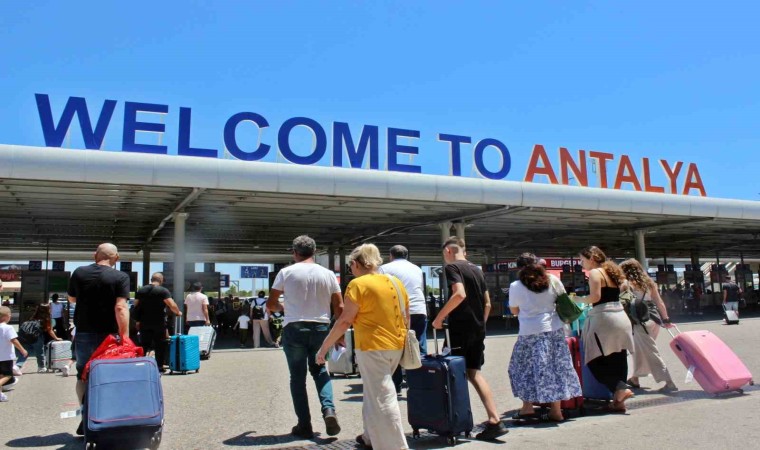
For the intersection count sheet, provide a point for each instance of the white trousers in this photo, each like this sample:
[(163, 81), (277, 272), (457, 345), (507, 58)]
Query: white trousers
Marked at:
[(383, 428), (261, 325), (646, 358)]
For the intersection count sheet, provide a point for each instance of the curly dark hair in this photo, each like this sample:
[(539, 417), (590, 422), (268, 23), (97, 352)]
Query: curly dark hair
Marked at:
[(532, 274), (596, 254)]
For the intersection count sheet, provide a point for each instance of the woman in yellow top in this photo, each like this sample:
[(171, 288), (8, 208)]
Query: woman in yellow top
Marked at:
[(372, 307)]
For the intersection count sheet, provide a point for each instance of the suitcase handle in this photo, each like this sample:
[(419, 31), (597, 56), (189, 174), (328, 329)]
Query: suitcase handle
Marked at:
[(435, 337), (177, 325), (670, 330)]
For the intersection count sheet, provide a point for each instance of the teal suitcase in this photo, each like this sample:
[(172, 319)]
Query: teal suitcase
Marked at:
[(184, 354)]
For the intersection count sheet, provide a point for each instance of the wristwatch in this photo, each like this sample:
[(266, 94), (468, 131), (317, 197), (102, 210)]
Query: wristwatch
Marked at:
[(666, 320)]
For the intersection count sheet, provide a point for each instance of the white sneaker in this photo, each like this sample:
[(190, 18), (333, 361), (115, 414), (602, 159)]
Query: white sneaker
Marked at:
[(17, 371), (42, 370), (8, 386), (3, 397), (65, 371)]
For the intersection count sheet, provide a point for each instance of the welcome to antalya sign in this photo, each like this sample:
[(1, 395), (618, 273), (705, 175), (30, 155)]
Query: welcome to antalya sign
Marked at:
[(348, 151)]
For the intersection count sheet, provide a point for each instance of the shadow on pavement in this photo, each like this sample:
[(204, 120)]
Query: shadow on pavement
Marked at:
[(250, 439), (67, 440)]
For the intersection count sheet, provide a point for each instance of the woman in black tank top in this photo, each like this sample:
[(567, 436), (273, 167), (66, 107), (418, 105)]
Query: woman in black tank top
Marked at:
[(608, 293), (607, 334)]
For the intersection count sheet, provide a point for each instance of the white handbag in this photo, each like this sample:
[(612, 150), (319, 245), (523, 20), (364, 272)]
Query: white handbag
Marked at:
[(410, 358)]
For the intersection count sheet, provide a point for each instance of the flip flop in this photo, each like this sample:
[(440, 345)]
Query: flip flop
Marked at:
[(617, 408), (628, 394), (531, 416), (546, 418)]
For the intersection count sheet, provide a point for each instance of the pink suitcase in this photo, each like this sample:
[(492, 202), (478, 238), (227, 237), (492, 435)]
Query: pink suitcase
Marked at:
[(714, 365)]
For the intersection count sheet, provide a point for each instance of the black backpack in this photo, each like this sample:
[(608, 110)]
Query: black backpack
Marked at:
[(30, 331), (638, 310), (257, 311)]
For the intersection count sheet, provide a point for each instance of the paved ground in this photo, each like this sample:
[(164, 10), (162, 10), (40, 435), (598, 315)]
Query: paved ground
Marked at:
[(240, 398)]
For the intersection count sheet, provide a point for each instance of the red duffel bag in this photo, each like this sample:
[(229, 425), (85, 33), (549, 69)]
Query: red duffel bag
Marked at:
[(112, 347)]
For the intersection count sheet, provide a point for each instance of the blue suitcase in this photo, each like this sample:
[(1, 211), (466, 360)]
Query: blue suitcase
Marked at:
[(592, 389), (124, 404), (438, 398), (184, 354)]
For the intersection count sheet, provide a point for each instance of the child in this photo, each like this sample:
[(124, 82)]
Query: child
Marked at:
[(242, 323), (276, 319), (8, 340)]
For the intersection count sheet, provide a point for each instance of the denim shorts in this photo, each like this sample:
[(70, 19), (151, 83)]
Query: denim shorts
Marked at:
[(85, 345)]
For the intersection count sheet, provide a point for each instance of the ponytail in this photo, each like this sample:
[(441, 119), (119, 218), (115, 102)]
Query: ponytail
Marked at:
[(614, 271)]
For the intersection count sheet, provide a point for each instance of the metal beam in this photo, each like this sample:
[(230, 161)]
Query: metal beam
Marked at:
[(179, 208)]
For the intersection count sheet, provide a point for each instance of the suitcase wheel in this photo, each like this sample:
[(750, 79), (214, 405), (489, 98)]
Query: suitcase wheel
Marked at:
[(452, 440), (155, 441), (416, 433), (751, 382)]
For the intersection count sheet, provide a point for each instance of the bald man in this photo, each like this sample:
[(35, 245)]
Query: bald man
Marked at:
[(100, 293)]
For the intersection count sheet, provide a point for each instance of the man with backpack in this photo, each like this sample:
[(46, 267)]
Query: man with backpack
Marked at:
[(151, 302), (260, 319)]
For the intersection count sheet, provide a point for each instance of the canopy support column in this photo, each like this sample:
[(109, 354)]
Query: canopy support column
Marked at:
[(179, 261), (331, 258), (343, 270), (459, 228), (146, 265), (641, 252)]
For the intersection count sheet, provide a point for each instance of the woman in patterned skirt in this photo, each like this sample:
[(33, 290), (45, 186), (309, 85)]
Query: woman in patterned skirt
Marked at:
[(541, 369)]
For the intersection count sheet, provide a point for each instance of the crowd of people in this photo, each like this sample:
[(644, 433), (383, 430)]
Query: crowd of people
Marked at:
[(381, 303)]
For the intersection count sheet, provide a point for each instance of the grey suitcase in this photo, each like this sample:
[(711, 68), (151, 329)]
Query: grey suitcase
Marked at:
[(57, 354), (207, 337), (731, 313), (346, 363)]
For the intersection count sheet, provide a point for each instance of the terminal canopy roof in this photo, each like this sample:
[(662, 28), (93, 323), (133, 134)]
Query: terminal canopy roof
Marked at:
[(251, 211)]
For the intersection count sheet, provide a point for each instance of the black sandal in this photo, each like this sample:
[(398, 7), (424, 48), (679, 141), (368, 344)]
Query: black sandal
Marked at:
[(547, 418), (519, 416), (630, 383)]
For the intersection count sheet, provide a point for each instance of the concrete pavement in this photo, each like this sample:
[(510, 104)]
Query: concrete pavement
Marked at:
[(241, 398)]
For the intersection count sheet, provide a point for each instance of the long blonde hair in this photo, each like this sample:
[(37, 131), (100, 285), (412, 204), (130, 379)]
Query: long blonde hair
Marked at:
[(636, 276)]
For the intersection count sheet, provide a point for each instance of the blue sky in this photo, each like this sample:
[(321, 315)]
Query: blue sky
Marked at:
[(673, 80)]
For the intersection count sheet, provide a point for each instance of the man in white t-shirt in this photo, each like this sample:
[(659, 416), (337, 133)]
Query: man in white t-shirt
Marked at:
[(196, 307), (310, 289), (260, 320), (411, 276)]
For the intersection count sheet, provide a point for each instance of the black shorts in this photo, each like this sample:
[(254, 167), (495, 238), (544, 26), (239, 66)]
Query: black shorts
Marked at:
[(468, 343), (6, 368)]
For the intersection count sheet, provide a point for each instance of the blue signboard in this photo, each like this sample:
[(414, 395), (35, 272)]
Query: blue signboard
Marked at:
[(35, 265), (59, 266), (254, 271), (224, 281)]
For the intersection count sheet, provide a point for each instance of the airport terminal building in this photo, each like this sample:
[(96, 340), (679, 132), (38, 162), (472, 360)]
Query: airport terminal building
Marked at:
[(206, 205)]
